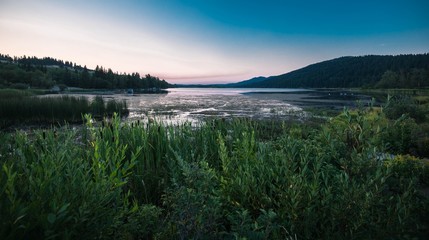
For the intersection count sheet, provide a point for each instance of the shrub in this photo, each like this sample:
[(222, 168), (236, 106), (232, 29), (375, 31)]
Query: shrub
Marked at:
[(55, 188), (403, 105), (137, 222), (217, 180), (406, 166), (20, 86), (193, 203), (400, 136)]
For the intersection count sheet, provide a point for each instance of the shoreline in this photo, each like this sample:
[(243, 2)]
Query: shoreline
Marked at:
[(332, 98)]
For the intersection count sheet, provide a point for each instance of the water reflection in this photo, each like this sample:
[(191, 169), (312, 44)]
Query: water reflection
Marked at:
[(191, 104), (195, 104)]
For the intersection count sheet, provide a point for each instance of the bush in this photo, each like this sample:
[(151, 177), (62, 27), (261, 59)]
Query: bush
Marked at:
[(138, 222), (53, 188), (400, 136), (406, 166), (217, 180), (72, 188), (193, 203), (423, 146), (403, 105), (21, 86)]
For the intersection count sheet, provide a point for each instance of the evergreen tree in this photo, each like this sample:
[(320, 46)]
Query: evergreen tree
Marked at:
[(37, 72)]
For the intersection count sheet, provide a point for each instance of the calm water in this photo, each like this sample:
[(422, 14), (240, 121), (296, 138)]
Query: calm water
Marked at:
[(195, 104), (231, 91)]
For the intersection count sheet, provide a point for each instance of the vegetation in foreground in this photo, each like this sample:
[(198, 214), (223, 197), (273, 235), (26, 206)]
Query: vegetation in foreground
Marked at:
[(22, 107), (234, 179)]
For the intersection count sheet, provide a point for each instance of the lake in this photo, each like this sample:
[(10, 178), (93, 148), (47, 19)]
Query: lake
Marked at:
[(195, 104)]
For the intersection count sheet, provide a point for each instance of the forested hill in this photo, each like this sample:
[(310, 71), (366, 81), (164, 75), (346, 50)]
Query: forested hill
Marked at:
[(402, 71), (24, 72)]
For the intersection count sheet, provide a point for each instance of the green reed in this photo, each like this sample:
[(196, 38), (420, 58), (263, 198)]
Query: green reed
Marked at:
[(222, 179), (20, 107)]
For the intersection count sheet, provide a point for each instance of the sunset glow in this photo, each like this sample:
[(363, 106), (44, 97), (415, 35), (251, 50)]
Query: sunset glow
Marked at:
[(210, 41)]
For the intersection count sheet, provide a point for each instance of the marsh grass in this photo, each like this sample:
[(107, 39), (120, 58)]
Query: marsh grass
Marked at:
[(18, 107), (223, 179), (14, 93)]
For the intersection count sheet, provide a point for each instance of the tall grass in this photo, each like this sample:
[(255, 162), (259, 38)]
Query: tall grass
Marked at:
[(14, 93), (222, 179), (20, 106)]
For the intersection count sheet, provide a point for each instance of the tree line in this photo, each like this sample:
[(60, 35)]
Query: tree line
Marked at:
[(401, 71), (24, 72), (411, 78)]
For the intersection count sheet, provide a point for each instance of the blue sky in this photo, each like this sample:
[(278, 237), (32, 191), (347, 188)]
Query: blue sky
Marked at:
[(211, 41)]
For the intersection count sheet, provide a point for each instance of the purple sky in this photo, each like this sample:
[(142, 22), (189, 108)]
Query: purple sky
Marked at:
[(192, 41)]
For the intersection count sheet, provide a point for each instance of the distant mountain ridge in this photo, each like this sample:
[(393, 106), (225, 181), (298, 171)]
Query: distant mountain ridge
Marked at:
[(345, 72), (253, 80)]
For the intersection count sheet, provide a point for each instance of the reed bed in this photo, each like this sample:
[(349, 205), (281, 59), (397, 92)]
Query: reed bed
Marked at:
[(221, 180), (17, 107)]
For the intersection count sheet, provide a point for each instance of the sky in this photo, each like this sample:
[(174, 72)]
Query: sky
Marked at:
[(211, 41)]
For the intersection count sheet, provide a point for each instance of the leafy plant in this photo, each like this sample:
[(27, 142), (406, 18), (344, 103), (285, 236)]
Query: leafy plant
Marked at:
[(193, 202), (221, 179), (403, 105)]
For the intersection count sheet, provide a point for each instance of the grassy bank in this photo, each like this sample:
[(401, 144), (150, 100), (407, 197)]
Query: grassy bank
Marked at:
[(24, 107), (222, 180), (382, 94)]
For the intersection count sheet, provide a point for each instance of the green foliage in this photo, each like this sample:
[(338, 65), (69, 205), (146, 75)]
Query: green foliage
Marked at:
[(25, 72), (266, 226), (405, 71), (412, 78), (400, 105), (222, 179), (192, 202), (422, 140), (14, 93), (406, 166), (389, 79), (303, 183), (21, 107), (400, 137), (408, 131), (137, 222), (50, 184)]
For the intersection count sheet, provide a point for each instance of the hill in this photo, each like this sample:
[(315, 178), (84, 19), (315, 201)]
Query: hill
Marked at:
[(401, 71), (24, 72), (255, 80)]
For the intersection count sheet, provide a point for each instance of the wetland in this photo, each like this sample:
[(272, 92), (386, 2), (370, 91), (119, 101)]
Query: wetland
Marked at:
[(197, 104)]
